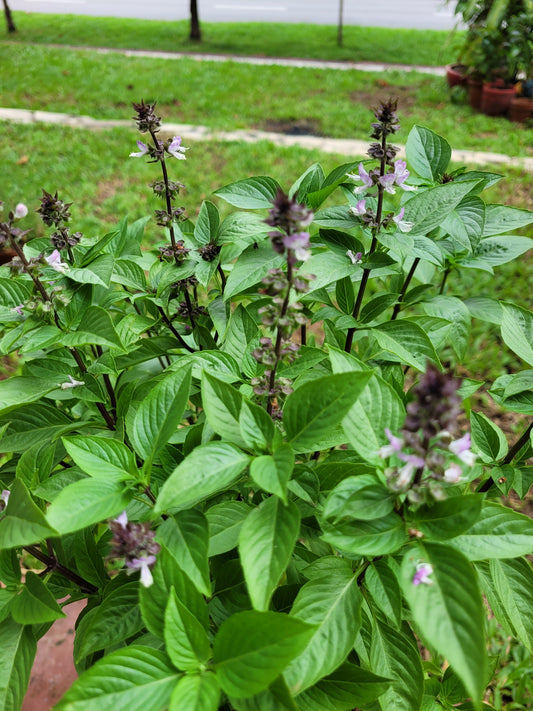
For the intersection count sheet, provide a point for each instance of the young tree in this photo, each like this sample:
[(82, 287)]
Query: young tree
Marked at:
[(195, 33), (9, 18)]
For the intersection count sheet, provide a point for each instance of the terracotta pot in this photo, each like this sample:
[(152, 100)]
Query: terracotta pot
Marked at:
[(475, 89), (456, 75), (496, 98), (521, 109)]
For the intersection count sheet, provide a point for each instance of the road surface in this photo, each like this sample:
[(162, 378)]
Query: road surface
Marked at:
[(415, 14)]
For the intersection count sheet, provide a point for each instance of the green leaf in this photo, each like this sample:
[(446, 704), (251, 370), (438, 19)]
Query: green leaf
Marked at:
[(407, 342), (196, 692), (449, 611), (252, 265), (252, 648), (160, 413), (465, 223), (378, 407), (129, 273), (427, 209), (273, 471), (86, 502), (361, 497), (370, 538), (153, 599), (394, 655), (455, 311), (333, 604), (266, 542), (494, 251), (334, 217), (207, 223), (35, 604), (23, 522), (186, 640), (96, 328), (508, 585), (101, 457), (428, 154), (18, 646), (19, 390), (256, 426), (115, 620), (186, 537), (348, 687), (315, 409), (99, 272), (446, 519), (132, 679), (487, 438), (329, 267), (517, 331), (209, 468), (502, 218), (225, 522), (499, 532), (345, 295), (251, 193), (383, 586), (222, 406)]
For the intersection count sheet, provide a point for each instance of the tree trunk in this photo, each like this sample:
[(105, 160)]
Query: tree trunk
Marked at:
[(341, 23), (9, 19), (195, 34)]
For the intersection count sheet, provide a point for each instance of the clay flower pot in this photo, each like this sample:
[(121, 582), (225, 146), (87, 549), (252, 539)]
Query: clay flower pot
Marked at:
[(496, 98), (475, 89), (521, 109), (456, 74)]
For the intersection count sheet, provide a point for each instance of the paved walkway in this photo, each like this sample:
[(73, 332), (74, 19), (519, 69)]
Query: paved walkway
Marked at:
[(343, 146), (346, 147)]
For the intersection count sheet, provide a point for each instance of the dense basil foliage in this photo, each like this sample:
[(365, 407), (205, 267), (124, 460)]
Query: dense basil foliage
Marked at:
[(246, 448)]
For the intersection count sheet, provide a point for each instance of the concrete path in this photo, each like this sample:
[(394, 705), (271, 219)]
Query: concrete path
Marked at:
[(343, 146)]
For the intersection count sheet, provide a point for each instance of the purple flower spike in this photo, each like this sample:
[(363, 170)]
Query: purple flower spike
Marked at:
[(423, 571), (143, 150)]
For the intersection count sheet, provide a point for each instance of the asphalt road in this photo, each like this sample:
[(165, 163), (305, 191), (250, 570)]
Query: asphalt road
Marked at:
[(416, 14)]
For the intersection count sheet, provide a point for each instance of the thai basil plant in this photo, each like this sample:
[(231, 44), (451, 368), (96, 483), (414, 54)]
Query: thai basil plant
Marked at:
[(248, 450)]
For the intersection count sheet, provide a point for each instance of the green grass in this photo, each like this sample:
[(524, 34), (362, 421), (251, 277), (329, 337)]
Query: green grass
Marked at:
[(259, 39), (234, 96)]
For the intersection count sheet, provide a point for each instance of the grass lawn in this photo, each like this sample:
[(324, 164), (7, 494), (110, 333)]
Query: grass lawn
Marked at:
[(245, 38), (230, 96)]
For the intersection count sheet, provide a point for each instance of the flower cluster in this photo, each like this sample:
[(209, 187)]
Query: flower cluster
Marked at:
[(134, 542), (286, 320), (172, 146), (146, 118), (396, 177), (178, 252), (427, 446), (290, 218)]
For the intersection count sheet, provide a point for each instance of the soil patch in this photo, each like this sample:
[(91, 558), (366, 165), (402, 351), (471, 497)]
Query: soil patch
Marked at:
[(292, 127)]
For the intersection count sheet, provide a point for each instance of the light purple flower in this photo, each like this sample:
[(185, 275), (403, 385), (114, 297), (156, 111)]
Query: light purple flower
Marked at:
[(54, 261), (355, 258), (401, 174), (4, 498), (143, 564), (403, 225), (18, 309), (452, 475), (404, 476), (364, 176), (299, 243), (423, 571), (176, 149), (359, 209), (143, 150), (461, 448), (387, 181), (71, 384), (122, 519), (20, 211), (395, 445)]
